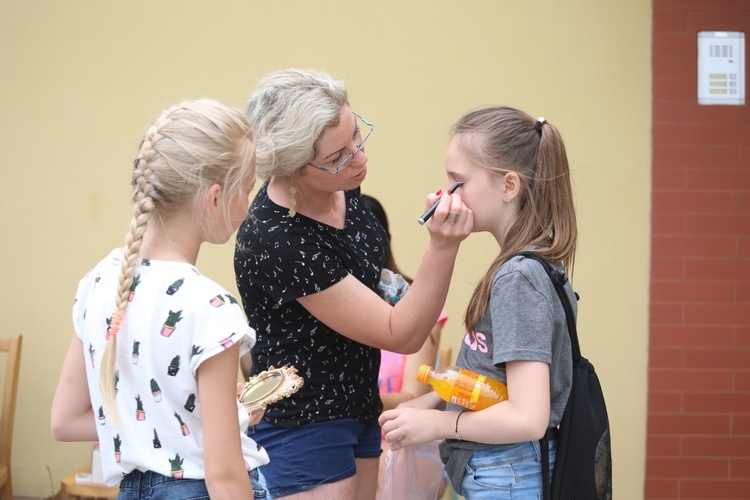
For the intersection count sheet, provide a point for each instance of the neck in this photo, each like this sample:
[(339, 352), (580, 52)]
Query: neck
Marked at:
[(173, 239), (324, 206)]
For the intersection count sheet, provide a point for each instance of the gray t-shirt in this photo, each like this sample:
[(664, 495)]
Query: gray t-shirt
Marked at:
[(524, 321)]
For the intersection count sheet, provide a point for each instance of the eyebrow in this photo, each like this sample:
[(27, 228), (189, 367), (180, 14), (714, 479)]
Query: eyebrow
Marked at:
[(338, 151)]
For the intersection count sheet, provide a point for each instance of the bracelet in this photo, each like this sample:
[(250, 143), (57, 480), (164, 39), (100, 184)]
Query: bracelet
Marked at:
[(458, 436)]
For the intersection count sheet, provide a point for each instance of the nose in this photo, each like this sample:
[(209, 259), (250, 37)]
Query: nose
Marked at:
[(359, 158)]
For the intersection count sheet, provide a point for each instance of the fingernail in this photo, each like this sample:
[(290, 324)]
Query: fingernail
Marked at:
[(439, 192)]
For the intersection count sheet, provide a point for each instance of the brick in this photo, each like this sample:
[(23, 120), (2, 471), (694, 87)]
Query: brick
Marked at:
[(675, 44), (743, 203), (739, 468), (672, 21), (717, 314), (691, 380), (669, 133), (731, 179), (713, 468), (693, 201), (662, 445), (741, 378), (725, 402), (719, 357), (675, 67), (665, 358), (692, 336), (694, 157), (742, 336), (716, 20), (677, 424), (743, 247), (661, 401), (731, 269), (740, 424), (718, 224), (716, 446), (664, 178), (742, 292), (717, 133), (657, 489), (692, 291), (667, 224), (675, 89), (666, 313), (670, 268), (743, 156), (692, 246), (703, 489)]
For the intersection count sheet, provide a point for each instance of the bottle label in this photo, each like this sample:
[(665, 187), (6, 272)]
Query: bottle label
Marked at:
[(466, 389)]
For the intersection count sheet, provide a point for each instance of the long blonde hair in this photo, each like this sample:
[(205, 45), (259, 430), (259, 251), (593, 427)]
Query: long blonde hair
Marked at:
[(189, 148), (505, 139)]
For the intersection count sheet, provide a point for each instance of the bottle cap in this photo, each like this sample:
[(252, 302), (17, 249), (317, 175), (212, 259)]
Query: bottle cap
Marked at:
[(424, 370)]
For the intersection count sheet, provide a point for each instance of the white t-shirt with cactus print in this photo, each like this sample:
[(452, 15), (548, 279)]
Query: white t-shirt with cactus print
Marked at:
[(175, 320)]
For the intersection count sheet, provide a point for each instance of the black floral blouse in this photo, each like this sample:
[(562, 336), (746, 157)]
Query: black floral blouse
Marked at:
[(278, 259)]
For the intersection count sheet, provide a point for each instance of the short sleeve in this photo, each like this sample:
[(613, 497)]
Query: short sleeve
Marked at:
[(219, 324), (524, 318)]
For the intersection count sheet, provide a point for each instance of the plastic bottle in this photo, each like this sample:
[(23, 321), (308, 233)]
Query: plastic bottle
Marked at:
[(463, 387)]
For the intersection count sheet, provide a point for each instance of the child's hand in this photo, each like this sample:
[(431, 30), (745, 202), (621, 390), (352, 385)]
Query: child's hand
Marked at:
[(406, 426), (256, 416)]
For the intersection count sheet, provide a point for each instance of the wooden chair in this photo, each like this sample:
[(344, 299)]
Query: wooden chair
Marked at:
[(12, 346), (446, 353)]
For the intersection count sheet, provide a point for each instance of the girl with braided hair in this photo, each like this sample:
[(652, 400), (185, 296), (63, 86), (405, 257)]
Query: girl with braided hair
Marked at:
[(516, 181), (151, 372)]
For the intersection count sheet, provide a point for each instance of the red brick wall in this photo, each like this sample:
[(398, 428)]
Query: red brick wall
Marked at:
[(698, 438)]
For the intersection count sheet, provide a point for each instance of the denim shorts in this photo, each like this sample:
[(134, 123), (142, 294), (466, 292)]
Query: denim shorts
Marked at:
[(313, 454), (154, 486), (507, 472)]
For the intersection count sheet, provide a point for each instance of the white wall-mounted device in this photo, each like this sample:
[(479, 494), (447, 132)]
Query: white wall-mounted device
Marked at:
[(721, 67)]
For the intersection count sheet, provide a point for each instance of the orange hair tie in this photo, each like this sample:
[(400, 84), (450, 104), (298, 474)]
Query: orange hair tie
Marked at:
[(114, 324)]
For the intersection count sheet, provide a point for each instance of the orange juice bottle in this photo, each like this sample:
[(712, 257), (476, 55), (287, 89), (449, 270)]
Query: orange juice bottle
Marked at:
[(464, 387)]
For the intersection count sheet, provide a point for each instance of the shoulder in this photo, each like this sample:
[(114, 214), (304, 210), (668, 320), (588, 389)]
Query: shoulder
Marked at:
[(524, 267), (522, 275)]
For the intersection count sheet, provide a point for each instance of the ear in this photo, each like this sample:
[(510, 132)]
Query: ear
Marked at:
[(213, 199), (511, 186)]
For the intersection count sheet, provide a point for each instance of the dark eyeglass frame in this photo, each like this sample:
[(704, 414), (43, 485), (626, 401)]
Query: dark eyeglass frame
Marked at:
[(353, 153)]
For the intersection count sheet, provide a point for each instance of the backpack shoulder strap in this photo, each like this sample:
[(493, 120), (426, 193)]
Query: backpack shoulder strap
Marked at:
[(558, 280)]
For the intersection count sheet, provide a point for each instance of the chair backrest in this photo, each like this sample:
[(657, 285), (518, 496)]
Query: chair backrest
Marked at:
[(12, 346), (446, 353)]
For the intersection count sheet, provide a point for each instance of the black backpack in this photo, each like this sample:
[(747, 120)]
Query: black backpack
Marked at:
[(583, 464)]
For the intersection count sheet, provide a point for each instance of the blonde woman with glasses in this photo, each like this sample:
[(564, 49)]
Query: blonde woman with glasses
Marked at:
[(308, 263)]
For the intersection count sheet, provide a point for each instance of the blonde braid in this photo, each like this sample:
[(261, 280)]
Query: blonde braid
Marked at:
[(143, 210)]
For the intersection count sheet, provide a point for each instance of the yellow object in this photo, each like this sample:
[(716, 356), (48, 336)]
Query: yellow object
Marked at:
[(463, 387)]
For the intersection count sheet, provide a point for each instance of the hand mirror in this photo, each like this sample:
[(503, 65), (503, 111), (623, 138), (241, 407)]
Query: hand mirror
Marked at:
[(269, 387)]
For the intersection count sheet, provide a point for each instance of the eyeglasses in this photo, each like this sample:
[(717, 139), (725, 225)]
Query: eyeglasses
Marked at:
[(337, 164)]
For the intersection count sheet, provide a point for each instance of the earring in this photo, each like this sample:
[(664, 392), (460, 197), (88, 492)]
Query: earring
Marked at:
[(505, 198), (292, 199)]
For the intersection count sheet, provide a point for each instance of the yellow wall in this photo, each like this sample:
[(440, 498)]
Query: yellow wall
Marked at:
[(80, 80)]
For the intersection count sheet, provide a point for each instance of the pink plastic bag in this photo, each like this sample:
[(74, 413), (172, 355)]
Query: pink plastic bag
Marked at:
[(414, 472)]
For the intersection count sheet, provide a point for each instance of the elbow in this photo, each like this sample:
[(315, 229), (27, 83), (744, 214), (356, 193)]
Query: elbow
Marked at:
[(58, 430), (537, 429)]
